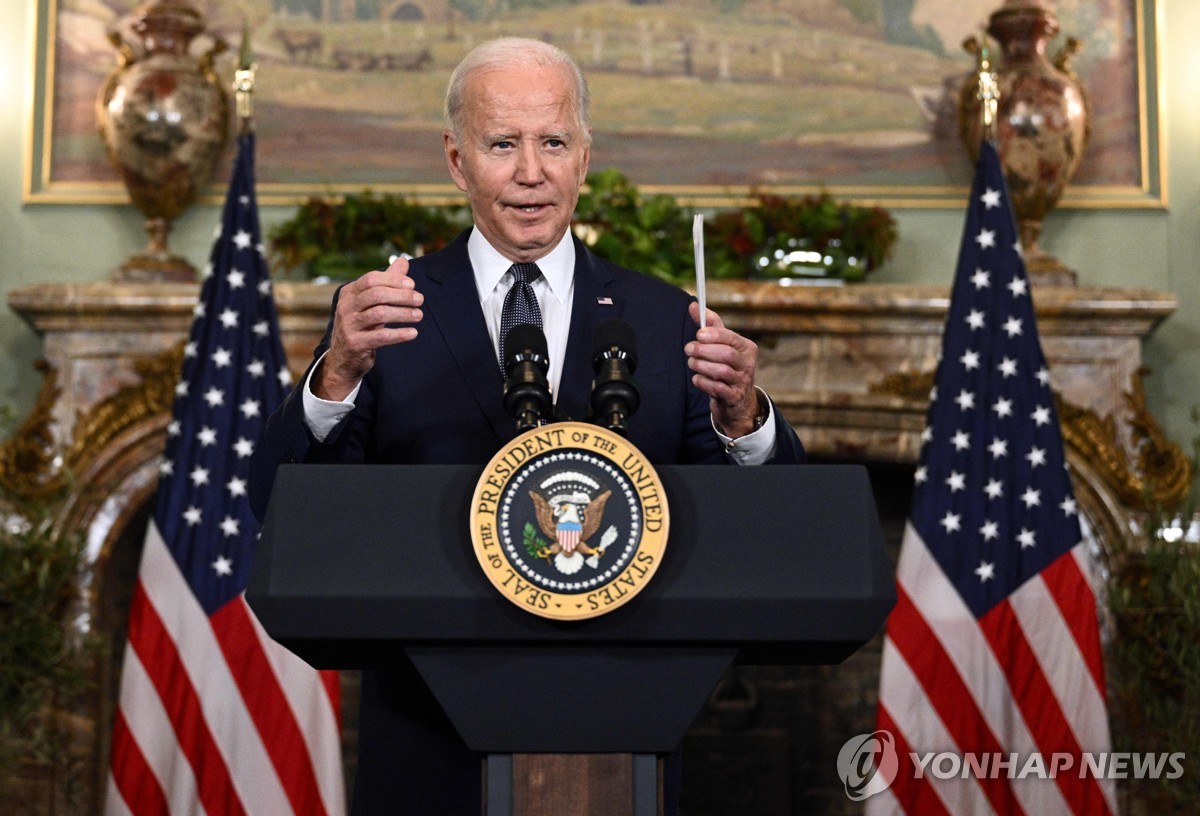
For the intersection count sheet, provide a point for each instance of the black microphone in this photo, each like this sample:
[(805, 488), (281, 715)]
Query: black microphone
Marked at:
[(614, 391), (526, 392)]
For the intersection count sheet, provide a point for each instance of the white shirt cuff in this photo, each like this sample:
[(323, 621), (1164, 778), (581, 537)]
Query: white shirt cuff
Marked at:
[(756, 447), (322, 416)]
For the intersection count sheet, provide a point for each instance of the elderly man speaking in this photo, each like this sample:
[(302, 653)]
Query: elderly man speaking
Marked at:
[(409, 370)]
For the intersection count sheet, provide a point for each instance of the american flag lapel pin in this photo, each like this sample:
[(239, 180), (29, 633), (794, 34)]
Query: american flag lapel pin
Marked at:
[(604, 301)]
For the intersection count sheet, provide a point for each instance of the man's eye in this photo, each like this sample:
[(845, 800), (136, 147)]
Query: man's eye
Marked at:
[(555, 143), (502, 145)]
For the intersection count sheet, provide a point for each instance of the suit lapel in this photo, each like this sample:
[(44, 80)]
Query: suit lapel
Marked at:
[(452, 305), (593, 303)]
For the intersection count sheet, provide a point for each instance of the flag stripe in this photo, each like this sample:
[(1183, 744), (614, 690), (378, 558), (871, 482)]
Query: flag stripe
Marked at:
[(332, 685), (1070, 588), (1035, 700), (240, 743), (919, 791), (900, 712), (152, 732), (1058, 656), (954, 632), (267, 705), (114, 805), (310, 702), (155, 649), (133, 774), (947, 693)]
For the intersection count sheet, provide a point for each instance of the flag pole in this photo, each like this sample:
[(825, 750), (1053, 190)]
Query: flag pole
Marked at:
[(243, 82)]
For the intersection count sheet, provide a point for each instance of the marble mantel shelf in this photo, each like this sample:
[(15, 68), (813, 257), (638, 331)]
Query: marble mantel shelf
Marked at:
[(758, 306), (773, 307)]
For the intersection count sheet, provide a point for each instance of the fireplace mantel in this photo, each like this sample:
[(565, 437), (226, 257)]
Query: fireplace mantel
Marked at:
[(850, 367), (821, 344)]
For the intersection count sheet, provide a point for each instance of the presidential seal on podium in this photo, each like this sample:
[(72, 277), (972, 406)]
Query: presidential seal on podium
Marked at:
[(569, 521)]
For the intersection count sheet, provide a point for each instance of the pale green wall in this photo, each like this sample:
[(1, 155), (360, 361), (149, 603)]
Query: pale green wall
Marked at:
[(1157, 249)]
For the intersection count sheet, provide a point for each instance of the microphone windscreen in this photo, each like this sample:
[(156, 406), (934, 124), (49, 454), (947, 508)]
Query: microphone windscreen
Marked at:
[(618, 334), (525, 337)]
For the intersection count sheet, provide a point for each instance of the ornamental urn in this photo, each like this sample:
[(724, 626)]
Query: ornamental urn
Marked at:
[(1041, 124), (164, 118)]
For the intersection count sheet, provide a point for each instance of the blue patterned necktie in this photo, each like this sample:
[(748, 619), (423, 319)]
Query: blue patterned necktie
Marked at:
[(520, 304)]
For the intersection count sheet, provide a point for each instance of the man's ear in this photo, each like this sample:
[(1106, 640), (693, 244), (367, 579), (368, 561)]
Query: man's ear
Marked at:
[(454, 159)]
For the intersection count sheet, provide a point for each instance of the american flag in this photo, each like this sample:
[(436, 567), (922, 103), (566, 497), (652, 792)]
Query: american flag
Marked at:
[(993, 646), (214, 717)]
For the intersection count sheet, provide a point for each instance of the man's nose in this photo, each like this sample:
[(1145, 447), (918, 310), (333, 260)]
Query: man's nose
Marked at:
[(530, 169)]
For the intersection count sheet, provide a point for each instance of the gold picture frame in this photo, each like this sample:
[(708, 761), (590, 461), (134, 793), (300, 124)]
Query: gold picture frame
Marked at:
[(706, 100)]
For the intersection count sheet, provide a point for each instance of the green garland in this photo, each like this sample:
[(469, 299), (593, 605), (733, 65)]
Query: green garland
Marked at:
[(776, 237), (813, 235), (343, 238)]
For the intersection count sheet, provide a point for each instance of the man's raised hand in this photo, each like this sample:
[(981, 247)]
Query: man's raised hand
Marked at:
[(724, 363), (366, 318)]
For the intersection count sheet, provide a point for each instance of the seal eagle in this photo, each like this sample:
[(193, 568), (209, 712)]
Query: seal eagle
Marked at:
[(568, 523)]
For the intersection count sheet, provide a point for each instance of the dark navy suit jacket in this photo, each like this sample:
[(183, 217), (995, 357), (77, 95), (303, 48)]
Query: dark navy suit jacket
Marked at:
[(439, 400)]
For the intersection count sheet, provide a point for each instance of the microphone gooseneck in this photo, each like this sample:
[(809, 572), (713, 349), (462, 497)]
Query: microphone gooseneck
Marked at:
[(526, 391), (615, 394)]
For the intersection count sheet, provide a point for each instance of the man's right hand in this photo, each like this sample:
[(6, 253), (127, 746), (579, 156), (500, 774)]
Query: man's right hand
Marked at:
[(365, 309)]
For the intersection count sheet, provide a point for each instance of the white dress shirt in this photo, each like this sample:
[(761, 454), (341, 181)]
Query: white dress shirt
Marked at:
[(554, 290)]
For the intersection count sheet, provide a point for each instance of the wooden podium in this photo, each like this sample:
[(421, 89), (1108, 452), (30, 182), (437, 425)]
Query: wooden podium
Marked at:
[(778, 564)]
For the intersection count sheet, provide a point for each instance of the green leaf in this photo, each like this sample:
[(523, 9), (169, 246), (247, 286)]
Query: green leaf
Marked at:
[(533, 542)]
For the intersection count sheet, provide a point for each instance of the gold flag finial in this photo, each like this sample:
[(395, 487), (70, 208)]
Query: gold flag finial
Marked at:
[(243, 79), (989, 91)]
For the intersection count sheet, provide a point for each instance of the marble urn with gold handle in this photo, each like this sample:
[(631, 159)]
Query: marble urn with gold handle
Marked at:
[(164, 119), (1041, 124)]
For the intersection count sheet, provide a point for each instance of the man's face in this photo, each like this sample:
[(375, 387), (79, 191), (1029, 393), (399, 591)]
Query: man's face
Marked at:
[(521, 157)]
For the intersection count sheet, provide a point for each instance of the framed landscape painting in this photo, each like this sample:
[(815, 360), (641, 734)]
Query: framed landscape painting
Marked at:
[(708, 100)]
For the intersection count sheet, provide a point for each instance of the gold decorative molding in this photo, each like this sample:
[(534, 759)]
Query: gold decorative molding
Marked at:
[(1163, 473), (29, 464), (907, 385), (33, 465), (152, 396)]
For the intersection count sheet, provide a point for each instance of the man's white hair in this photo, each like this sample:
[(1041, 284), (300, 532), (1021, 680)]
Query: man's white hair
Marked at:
[(515, 52)]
